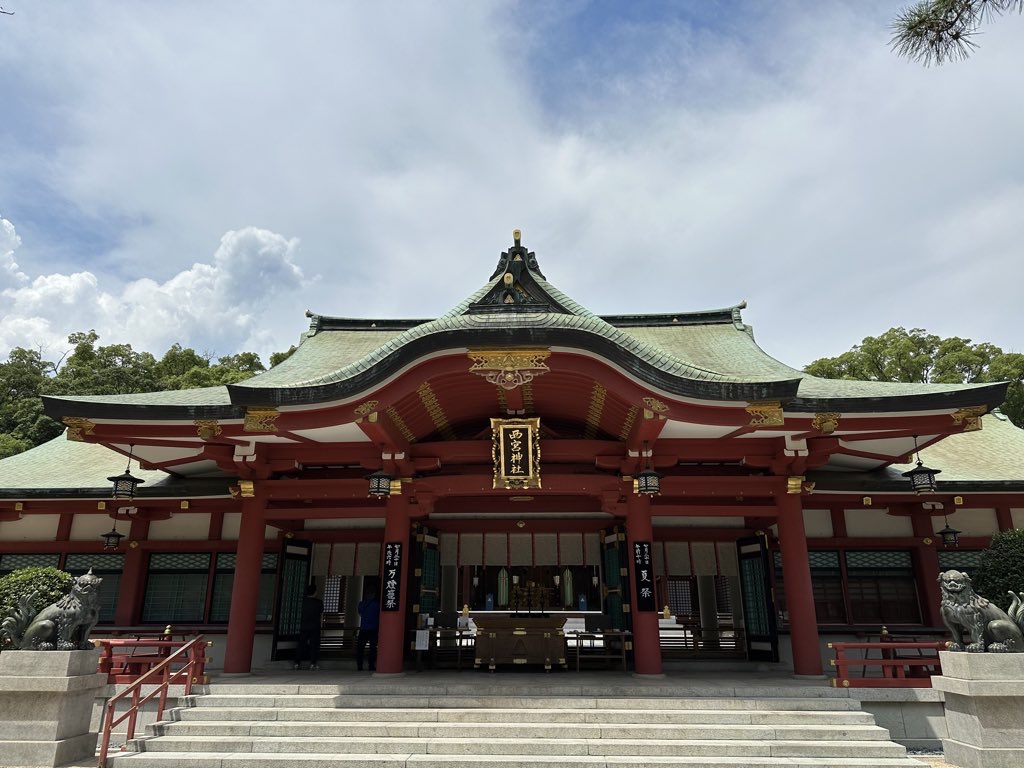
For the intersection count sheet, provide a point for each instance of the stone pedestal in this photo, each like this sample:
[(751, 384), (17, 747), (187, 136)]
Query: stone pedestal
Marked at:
[(46, 701), (984, 708)]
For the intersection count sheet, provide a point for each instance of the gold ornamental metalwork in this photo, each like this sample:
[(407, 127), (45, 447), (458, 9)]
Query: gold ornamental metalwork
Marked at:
[(654, 404), (509, 368), (594, 411), (826, 422), (365, 409), (766, 414), (207, 429), (970, 418), (433, 407), (515, 451), (261, 420), (78, 428), (795, 484), (246, 489)]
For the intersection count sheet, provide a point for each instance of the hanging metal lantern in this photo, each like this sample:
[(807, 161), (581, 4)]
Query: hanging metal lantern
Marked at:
[(950, 536), (922, 478), (112, 539), (648, 483), (125, 483), (380, 484)]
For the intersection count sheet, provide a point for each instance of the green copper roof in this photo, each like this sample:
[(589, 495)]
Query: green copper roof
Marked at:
[(708, 355)]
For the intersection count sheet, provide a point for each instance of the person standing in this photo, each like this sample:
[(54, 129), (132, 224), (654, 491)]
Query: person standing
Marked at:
[(309, 629), (369, 624)]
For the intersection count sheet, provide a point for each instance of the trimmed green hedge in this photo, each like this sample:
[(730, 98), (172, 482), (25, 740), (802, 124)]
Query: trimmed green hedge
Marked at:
[(1002, 568), (51, 583)]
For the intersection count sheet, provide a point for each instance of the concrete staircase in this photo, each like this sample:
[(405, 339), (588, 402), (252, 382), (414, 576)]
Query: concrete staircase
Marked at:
[(397, 723)]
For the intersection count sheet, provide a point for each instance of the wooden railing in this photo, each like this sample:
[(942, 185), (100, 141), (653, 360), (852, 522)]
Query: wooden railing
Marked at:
[(192, 658), (896, 665)]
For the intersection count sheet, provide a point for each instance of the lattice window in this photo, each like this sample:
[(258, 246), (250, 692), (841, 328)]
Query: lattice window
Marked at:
[(106, 566), (881, 587), (14, 562), (960, 560), (179, 561), (224, 582), (334, 594), (880, 559), (176, 587), (680, 596), (826, 586)]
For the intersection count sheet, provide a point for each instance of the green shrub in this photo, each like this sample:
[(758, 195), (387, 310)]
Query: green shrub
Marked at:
[(1002, 568), (51, 584)]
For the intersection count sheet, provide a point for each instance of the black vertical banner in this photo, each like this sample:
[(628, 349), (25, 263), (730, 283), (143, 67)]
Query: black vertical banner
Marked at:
[(392, 576), (643, 575)]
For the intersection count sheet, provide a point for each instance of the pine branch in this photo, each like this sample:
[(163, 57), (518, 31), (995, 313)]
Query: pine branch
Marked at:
[(937, 31)]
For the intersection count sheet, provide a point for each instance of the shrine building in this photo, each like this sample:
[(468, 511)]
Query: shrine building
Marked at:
[(658, 475)]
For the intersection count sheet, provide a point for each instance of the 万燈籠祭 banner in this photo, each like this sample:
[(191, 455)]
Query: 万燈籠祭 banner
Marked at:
[(516, 453), (392, 576)]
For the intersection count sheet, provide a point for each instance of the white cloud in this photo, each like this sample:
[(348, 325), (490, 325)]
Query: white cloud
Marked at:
[(9, 242), (221, 303), (803, 167)]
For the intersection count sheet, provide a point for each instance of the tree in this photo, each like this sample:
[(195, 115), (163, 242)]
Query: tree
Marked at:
[(918, 356), (23, 378), (1002, 568), (937, 31), (111, 370)]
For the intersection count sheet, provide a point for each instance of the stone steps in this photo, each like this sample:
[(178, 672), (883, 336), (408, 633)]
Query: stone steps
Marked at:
[(387, 725), (463, 715)]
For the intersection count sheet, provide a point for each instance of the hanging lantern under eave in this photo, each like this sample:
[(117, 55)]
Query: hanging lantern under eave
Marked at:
[(125, 485), (380, 484), (112, 538), (922, 478), (648, 483), (950, 536)]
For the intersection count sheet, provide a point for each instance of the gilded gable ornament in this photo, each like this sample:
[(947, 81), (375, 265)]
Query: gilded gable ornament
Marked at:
[(207, 429), (969, 418), (261, 420), (826, 422), (509, 368), (78, 428), (766, 414)]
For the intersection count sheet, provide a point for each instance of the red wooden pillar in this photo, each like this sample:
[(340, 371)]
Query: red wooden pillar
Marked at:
[(646, 644), (1004, 518), (926, 569), (391, 638), (246, 586), (133, 576), (803, 621)]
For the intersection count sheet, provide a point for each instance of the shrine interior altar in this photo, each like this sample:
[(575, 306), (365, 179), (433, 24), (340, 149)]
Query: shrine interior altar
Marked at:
[(520, 638)]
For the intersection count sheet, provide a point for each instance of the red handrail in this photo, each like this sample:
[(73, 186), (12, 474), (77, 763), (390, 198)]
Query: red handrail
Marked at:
[(162, 676), (893, 666)]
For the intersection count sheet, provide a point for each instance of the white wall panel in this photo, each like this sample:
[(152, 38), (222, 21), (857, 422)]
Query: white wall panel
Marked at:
[(818, 523), (867, 523), (970, 522), (32, 528), (183, 526)]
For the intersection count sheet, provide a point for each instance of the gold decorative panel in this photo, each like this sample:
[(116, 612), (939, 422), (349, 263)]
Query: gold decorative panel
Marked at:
[(365, 409), (78, 428), (207, 429), (261, 420), (970, 418), (766, 414), (509, 368)]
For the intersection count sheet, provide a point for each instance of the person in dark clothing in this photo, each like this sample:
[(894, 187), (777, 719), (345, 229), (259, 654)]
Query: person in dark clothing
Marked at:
[(369, 623), (309, 629)]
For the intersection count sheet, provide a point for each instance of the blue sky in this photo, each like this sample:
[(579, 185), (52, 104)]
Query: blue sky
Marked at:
[(204, 172)]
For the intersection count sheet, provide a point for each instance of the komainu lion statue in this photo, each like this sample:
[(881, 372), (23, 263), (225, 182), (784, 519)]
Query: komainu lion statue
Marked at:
[(63, 626), (991, 629)]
